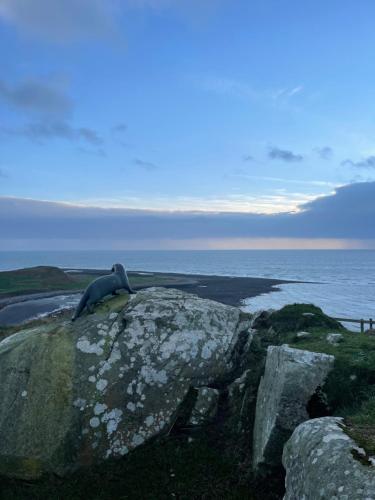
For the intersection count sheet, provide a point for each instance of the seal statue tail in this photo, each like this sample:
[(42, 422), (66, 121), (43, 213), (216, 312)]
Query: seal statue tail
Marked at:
[(81, 305)]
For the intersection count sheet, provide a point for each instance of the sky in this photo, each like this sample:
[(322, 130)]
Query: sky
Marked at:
[(178, 124)]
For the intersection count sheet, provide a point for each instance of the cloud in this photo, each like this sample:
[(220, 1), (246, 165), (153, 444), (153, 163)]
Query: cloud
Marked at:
[(61, 21), (147, 165), (368, 162), (325, 153), (284, 155), (42, 131), (51, 106), (120, 128), (348, 214), (248, 158), (36, 96), (227, 87), (243, 90), (282, 93)]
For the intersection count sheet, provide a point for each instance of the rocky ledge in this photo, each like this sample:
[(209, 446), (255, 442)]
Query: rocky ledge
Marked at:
[(164, 373), (75, 394)]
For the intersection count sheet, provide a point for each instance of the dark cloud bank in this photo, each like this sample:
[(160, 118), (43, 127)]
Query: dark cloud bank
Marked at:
[(349, 214)]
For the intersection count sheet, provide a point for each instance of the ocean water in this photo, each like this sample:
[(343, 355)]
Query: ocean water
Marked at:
[(341, 282)]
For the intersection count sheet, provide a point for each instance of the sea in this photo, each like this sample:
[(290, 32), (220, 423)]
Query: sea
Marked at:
[(341, 282)]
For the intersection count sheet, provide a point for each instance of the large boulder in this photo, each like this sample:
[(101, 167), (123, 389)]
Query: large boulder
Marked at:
[(290, 379), (322, 462), (74, 394)]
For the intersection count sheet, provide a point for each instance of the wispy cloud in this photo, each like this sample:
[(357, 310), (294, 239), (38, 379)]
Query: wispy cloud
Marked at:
[(248, 158), (120, 128), (61, 21), (227, 86), (325, 152), (147, 165), (36, 96), (42, 131), (284, 155), (287, 92), (282, 180), (243, 90), (368, 162)]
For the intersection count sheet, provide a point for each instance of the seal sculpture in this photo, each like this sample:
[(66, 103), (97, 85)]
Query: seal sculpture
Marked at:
[(105, 285)]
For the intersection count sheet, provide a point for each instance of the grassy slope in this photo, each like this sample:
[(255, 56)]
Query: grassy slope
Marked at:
[(35, 279), (350, 387), (47, 279)]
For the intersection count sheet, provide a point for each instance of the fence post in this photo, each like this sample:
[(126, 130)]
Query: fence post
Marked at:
[(362, 326), (371, 323)]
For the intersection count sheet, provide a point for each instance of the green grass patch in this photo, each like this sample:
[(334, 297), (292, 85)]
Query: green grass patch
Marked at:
[(35, 279), (48, 279), (297, 317), (350, 387), (171, 467)]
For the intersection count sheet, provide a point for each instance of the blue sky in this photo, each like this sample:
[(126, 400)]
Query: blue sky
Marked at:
[(255, 107)]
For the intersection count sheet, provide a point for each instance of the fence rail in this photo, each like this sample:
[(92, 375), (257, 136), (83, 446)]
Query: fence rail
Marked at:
[(362, 322)]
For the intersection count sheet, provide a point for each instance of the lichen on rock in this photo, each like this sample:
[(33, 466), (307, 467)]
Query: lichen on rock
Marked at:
[(78, 393), (323, 462), (290, 379)]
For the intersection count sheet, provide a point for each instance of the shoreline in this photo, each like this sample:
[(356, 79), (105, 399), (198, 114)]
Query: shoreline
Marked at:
[(230, 290), (237, 288)]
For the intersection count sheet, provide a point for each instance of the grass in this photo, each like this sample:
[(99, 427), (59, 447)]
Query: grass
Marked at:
[(39, 279), (171, 467), (350, 387), (48, 279)]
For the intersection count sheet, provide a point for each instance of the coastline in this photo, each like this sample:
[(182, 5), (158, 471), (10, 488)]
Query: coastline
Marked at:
[(226, 289)]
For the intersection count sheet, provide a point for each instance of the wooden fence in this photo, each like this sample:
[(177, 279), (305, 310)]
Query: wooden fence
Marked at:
[(362, 322)]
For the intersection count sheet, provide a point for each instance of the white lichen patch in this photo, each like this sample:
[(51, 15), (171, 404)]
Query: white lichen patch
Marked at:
[(79, 403), (149, 420), (94, 422), (131, 406), (101, 384), (137, 440), (152, 376), (208, 349), (85, 346), (112, 418), (112, 316), (115, 330), (335, 436), (100, 408), (23, 394)]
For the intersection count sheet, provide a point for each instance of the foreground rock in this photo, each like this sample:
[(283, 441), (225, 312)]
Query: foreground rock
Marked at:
[(334, 338), (76, 394), (290, 379), (320, 463)]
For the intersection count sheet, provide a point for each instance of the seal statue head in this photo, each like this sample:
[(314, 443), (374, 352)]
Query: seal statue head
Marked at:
[(119, 270), (102, 286)]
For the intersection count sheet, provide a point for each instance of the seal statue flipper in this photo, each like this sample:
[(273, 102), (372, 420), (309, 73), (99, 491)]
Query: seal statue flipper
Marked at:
[(81, 304)]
